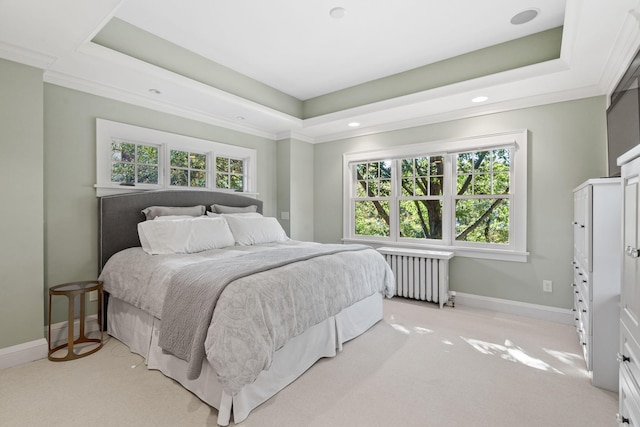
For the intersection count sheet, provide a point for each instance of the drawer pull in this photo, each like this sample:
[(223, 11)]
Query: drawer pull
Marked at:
[(584, 311), (622, 420), (622, 358), (579, 300), (584, 281), (632, 252)]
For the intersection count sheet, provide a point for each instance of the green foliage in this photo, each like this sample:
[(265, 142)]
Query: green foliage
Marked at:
[(370, 221), (134, 163), (478, 218)]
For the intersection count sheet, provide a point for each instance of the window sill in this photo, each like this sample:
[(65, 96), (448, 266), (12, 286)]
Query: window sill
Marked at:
[(480, 253)]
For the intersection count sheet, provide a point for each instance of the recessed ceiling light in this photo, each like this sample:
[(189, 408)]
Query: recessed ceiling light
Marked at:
[(525, 16), (354, 124), (479, 99), (337, 12), (155, 91)]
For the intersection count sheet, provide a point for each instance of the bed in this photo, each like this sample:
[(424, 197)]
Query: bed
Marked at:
[(280, 305)]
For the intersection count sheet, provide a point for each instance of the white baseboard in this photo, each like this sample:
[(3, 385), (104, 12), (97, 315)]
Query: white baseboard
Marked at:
[(23, 353), (60, 330), (39, 349), (542, 312)]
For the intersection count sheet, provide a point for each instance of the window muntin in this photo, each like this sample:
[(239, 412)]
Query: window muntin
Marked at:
[(133, 163), (187, 169), (477, 201)]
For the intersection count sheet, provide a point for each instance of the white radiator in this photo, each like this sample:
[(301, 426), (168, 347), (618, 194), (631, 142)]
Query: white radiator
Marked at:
[(420, 274)]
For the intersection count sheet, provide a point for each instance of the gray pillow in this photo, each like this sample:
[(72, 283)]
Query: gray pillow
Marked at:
[(221, 209), (153, 211)]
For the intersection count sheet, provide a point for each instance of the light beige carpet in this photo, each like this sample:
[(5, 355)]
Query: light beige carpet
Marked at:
[(420, 366)]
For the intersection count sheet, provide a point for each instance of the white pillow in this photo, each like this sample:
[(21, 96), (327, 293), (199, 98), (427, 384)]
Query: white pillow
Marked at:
[(254, 231), (249, 214), (184, 235)]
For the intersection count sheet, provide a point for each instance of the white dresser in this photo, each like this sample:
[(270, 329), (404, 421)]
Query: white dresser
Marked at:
[(629, 356), (596, 276)]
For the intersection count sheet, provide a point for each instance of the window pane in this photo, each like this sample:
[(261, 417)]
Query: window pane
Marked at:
[(437, 165), (385, 169), (123, 172), (179, 177), (148, 174), (237, 182), (482, 183), (465, 185), (372, 171), (179, 158), (222, 180), (148, 154), (422, 166), (385, 188), (236, 166), (482, 161), (372, 218), (198, 179), (482, 220), (464, 162), (222, 164), (501, 160), (407, 167), (501, 183), (198, 161), (422, 186), (421, 219), (361, 170), (407, 187), (373, 188), (436, 186), (362, 189)]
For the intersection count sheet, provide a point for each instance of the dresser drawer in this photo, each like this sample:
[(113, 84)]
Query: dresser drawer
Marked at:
[(629, 354), (629, 413)]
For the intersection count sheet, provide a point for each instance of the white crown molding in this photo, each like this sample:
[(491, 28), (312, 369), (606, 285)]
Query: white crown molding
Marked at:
[(294, 135), (623, 51), (99, 89), (26, 56), (500, 107)]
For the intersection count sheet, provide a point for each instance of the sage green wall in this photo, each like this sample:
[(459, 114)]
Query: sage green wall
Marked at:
[(70, 174), (295, 188), (21, 208), (567, 145), (283, 180)]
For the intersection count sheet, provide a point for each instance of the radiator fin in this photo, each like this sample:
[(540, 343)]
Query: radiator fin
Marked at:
[(420, 274)]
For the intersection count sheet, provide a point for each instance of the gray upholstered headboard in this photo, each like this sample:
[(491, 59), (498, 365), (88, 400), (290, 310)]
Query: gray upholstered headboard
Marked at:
[(119, 215)]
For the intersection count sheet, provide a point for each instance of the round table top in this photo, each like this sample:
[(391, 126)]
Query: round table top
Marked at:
[(76, 287)]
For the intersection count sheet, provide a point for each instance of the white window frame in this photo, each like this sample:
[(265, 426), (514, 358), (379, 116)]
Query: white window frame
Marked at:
[(107, 130), (515, 250)]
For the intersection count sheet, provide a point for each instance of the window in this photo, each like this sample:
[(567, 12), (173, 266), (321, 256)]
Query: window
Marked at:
[(133, 163), (188, 169), (229, 173), (467, 195), (134, 158)]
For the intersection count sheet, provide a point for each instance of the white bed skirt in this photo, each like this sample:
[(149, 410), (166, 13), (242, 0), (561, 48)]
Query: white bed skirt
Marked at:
[(139, 331)]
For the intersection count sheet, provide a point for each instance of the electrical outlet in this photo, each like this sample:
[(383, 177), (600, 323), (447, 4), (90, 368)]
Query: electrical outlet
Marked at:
[(93, 296), (547, 286)]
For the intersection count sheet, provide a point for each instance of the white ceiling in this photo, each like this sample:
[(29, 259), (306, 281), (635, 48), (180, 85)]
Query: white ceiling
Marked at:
[(297, 48)]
